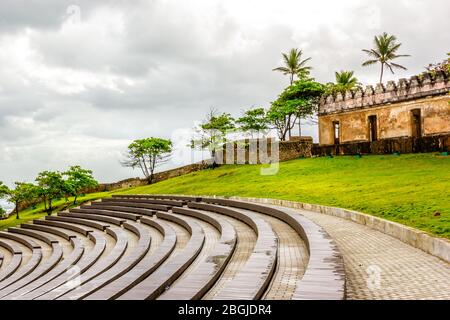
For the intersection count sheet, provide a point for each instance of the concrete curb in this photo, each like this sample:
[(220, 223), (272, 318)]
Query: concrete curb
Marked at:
[(438, 247)]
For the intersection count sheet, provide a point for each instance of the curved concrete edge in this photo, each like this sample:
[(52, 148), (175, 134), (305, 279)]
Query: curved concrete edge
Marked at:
[(438, 247)]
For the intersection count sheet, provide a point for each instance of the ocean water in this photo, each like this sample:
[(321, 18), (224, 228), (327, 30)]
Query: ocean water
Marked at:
[(6, 205)]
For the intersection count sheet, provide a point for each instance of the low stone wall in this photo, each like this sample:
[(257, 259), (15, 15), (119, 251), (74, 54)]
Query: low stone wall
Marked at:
[(159, 176), (290, 150), (127, 183), (297, 147), (436, 143)]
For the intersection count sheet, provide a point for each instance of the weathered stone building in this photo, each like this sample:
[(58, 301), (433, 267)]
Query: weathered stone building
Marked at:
[(414, 108)]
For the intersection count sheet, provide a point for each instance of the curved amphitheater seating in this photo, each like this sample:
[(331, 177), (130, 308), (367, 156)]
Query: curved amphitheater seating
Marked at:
[(15, 262), (155, 284), (168, 248), (144, 268), (28, 267), (70, 260), (42, 268), (211, 266)]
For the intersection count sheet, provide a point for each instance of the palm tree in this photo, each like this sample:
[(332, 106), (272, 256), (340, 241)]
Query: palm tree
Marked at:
[(345, 80), (385, 50), (294, 65)]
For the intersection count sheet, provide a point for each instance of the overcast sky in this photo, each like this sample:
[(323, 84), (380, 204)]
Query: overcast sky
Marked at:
[(80, 79)]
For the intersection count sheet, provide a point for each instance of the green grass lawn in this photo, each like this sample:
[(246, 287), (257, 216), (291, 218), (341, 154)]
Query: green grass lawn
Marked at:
[(38, 211), (411, 189)]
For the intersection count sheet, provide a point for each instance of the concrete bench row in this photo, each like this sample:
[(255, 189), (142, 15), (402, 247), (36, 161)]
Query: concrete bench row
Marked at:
[(16, 259), (325, 275), (132, 271)]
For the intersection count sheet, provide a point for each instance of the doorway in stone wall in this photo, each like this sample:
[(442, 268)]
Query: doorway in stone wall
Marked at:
[(373, 128), (416, 123)]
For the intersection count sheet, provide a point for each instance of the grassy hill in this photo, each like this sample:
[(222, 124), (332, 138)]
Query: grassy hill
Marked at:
[(411, 189)]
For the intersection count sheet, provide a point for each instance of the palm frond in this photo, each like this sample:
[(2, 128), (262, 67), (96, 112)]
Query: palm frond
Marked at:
[(372, 53), (395, 47), (390, 67), (282, 69), (369, 63), (303, 62), (385, 48), (395, 56), (293, 65), (398, 66)]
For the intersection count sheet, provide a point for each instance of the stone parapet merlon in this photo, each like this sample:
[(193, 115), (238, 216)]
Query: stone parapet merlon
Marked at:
[(413, 88)]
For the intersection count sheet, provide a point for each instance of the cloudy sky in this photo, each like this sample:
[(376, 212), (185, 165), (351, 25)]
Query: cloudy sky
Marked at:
[(80, 79)]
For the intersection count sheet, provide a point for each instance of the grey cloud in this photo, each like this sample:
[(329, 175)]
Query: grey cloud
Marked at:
[(166, 65)]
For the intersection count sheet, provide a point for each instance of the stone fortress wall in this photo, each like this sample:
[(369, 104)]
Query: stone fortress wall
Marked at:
[(391, 105)]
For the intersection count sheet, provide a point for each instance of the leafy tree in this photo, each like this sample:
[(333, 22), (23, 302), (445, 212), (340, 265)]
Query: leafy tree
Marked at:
[(294, 65), (78, 179), (51, 186), (253, 120), (443, 66), (4, 190), (148, 154), (345, 80), (385, 50), (23, 192), (448, 63), (298, 101), (212, 133)]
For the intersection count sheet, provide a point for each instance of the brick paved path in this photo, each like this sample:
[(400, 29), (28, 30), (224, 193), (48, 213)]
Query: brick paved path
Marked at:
[(379, 266)]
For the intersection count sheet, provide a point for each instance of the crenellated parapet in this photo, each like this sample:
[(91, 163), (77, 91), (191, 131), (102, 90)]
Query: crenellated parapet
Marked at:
[(404, 90)]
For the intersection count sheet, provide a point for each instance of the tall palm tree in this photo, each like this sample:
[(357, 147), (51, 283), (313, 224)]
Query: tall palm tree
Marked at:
[(345, 80), (385, 50), (293, 64)]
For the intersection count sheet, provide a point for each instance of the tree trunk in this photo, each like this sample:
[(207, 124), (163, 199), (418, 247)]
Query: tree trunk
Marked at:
[(213, 155), (49, 212), (75, 199), (283, 131), (151, 177), (17, 209), (292, 78), (289, 126), (299, 127), (382, 71)]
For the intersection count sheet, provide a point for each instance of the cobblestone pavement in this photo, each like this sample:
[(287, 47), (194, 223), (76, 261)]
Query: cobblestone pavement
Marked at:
[(379, 266)]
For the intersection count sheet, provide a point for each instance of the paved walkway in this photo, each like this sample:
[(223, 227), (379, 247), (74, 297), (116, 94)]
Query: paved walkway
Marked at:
[(379, 266)]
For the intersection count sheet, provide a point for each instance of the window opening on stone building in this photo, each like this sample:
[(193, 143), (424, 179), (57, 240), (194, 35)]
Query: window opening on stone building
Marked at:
[(336, 129), (416, 123), (373, 128)]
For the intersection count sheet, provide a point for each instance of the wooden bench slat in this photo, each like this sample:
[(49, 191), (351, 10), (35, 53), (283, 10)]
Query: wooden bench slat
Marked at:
[(200, 280), (116, 270), (173, 267), (144, 268)]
